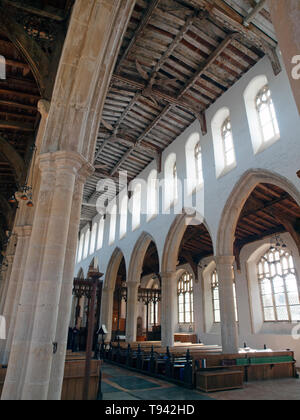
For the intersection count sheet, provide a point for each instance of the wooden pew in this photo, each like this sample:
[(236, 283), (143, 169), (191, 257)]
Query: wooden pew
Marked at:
[(256, 366), (73, 378)]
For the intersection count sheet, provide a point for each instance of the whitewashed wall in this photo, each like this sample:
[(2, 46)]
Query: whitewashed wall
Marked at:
[(281, 158)]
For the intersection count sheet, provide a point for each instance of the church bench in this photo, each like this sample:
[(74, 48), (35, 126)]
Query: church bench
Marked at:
[(256, 366), (73, 382)]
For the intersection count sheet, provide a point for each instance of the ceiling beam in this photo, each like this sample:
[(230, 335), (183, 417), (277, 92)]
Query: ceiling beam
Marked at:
[(16, 125), (251, 16), (47, 11), (139, 31), (191, 19), (204, 66)]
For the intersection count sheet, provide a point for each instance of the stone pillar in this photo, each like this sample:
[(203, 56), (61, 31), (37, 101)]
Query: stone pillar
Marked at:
[(107, 302), (15, 286), (30, 362), (9, 262), (65, 303), (168, 308), (285, 17), (2, 285), (40, 357), (228, 322), (131, 316)]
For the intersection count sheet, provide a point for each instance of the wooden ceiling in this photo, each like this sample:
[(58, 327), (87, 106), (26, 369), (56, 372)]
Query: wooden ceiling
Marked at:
[(42, 26), (151, 260), (177, 58), (268, 210), (196, 244)]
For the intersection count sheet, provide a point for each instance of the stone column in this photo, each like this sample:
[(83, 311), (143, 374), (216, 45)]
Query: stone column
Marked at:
[(2, 285), (32, 349), (67, 165), (9, 261), (65, 303), (19, 351), (285, 17), (131, 316), (107, 302), (15, 286), (168, 308), (228, 322)]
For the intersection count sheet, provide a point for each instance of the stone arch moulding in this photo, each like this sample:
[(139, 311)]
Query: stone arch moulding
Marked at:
[(174, 238), (138, 255), (112, 268), (237, 200), (14, 159)]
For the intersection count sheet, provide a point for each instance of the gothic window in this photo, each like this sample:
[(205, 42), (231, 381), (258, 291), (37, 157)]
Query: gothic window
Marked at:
[(185, 293), (266, 112), (175, 182), (278, 286), (216, 298), (198, 162), (228, 148)]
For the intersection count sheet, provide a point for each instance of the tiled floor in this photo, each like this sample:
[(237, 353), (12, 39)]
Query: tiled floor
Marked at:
[(120, 384)]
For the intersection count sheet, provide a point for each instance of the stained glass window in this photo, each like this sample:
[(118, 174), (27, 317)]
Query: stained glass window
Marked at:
[(278, 286), (185, 299)]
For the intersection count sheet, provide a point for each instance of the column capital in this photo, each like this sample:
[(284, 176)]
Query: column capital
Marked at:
[(66, 159), (225, 260), (43, 108), (168, 274), (132, 284)]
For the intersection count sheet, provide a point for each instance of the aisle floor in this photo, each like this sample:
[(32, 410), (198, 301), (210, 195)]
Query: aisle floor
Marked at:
[(120, 384)]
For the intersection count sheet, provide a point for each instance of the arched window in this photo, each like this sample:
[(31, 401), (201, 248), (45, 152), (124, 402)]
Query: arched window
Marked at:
[(152, 198), (175, 182), (123, 216), (266, 112), (100, 233), (80, 248), (263, 125), (93, 239), (198, 163), (136, 206), (227, 141), (225, 160), (216, 298), (86, 244), (278, 286), (170, 182), (113, 223), (185, 292)]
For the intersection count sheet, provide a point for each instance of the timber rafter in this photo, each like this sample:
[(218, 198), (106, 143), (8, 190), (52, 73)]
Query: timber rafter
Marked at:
[(177, 58)]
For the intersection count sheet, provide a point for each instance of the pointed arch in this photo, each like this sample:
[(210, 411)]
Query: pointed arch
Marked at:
[(112, 268), (174, 238), (137, 257), (237, 200)]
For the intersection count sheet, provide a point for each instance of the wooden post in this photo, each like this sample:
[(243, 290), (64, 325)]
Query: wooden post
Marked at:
[(91, 327)]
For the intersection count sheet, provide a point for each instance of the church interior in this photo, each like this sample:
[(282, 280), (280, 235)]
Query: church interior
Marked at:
[(149, 200)]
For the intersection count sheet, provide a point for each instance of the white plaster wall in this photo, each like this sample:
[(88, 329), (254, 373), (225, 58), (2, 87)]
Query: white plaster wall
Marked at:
[(280, 158)]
